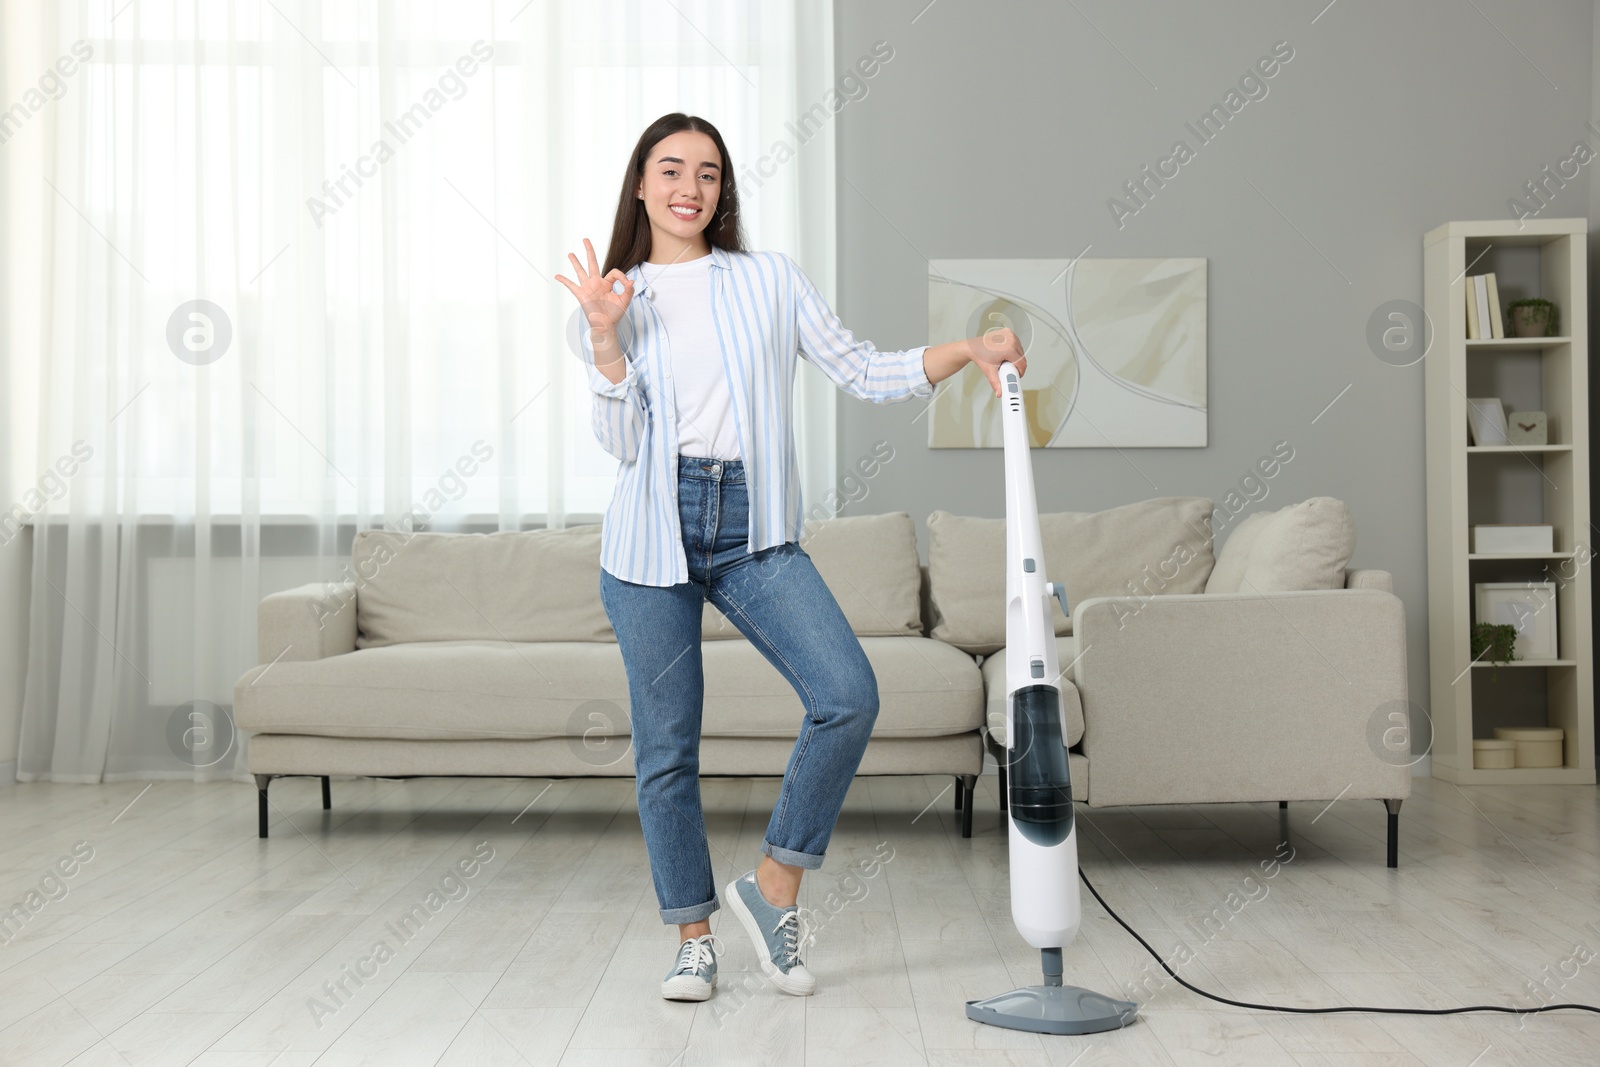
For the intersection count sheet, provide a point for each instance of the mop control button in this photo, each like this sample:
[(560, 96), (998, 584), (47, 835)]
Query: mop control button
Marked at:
[(1027, 564)]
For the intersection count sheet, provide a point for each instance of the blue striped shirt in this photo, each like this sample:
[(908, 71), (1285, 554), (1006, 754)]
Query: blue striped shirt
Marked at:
[(765, 311)]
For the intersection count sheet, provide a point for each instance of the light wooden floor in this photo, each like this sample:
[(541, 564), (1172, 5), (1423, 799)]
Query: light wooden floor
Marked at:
[(186, 940)]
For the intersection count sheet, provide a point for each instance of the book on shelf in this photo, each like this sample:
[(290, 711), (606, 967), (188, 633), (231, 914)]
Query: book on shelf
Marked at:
[(1494, 306), (1483, 308)]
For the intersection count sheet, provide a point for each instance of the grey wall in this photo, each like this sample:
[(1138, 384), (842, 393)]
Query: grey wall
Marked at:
[(1001, 130)]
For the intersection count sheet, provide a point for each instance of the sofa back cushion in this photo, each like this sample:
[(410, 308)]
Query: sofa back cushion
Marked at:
[(870, 564), (1156, 546), (1301, 546), (515, 585), (544, 585)]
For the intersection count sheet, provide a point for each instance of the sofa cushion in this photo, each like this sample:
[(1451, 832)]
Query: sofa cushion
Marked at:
[(1161, 545), (1305, 546), (515, 585), (870, 564), (1235, 553), (447, 690), (544, 585), (994, 687), (1301, 546)]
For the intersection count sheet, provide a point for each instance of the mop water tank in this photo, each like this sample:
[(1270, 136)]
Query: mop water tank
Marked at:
[(1040, 782)]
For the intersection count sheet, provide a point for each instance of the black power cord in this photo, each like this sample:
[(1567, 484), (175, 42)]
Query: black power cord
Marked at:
[(1316, 1011)]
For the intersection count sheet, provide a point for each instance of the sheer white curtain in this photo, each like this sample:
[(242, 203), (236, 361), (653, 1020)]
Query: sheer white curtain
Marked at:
[(296, 279)]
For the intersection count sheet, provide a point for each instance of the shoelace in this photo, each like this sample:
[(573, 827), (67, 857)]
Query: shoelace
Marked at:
[(788, 928), (698, 952)]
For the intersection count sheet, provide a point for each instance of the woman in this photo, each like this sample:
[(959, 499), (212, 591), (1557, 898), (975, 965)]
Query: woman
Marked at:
[(693, 385)]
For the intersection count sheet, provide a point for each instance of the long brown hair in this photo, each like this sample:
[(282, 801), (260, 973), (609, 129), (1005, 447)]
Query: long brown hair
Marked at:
[(630, 232)]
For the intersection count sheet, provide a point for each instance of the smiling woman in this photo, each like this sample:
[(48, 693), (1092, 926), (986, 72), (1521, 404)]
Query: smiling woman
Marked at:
[(679, 201), (693, 383)]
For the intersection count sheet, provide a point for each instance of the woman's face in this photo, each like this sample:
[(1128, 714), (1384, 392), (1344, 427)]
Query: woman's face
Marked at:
[(683, 170)]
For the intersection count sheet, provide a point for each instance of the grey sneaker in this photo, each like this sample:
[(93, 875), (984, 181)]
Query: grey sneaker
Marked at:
[(776, 934), (694, 976)]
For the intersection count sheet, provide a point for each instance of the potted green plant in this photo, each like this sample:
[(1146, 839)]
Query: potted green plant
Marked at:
[(1533, 317), (1500, 642)]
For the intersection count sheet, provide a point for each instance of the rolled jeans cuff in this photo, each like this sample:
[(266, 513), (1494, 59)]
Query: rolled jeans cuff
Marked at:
[(692, 914), (793, 859)]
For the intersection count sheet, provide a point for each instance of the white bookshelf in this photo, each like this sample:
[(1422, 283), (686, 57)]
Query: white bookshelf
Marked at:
[(1546, 484)]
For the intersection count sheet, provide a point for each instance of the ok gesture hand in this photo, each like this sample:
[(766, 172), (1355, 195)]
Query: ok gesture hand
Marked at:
[(601, 304)]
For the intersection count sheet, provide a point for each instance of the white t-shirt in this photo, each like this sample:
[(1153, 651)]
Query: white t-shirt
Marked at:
[(681, 295)]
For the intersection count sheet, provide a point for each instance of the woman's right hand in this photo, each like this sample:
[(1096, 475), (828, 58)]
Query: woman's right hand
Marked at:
[(602, 305)]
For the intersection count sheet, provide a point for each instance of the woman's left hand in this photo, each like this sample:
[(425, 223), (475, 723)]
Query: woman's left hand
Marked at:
[(994, 348)]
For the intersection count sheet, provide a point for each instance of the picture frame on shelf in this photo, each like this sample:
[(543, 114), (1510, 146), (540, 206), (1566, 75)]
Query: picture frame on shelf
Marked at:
[(1530, 607), (1486, 421)]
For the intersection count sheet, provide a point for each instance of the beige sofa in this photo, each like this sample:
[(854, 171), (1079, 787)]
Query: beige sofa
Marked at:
[(1272, 671), (491, 655)]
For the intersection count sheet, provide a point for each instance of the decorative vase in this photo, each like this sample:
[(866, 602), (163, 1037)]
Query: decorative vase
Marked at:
[(1530, 321)]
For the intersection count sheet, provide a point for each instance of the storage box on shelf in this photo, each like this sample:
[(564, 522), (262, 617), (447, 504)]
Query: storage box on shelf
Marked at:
[(1473, 485), (1493, 754)]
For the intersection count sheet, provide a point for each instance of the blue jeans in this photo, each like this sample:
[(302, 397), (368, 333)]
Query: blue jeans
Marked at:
[(777, 599)]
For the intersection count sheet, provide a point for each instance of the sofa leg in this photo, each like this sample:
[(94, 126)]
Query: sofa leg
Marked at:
[(327, 795), (1283, 805), (261, 795), (959, 791), (966, 783), (1394, 831)]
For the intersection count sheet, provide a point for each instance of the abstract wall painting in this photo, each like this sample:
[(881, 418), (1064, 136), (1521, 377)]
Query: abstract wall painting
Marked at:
[(1116, 350)]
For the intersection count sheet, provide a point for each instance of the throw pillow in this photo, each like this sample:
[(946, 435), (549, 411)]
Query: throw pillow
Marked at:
[(1303, 546), (1235, 554)]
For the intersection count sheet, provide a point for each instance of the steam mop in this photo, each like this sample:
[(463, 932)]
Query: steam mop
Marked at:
[(1043, 839)]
